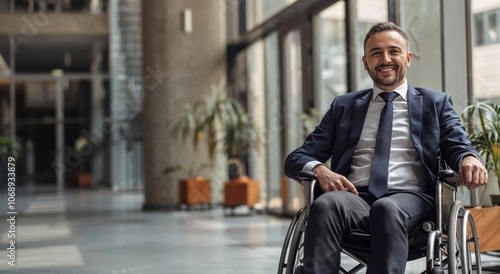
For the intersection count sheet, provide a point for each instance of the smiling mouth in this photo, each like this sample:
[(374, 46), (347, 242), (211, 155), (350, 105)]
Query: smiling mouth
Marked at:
[(386, 69)]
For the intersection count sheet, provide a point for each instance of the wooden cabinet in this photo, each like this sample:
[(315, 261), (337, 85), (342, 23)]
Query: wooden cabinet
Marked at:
[(194, 191), (241, 191), (488, 230), (82, 179)]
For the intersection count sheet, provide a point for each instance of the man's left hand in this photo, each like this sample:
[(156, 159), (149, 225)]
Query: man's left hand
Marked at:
[(472, 172)]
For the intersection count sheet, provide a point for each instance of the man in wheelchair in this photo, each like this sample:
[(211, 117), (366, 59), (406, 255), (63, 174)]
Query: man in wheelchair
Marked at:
[(383, 167)]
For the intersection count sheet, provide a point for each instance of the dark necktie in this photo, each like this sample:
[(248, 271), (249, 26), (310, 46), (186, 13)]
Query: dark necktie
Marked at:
[(380, 165)]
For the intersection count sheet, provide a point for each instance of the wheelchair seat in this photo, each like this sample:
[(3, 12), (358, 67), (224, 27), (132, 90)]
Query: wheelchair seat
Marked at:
[(446, 243)]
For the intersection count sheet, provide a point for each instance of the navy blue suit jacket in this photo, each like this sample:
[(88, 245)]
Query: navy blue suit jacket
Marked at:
[(434, 125)]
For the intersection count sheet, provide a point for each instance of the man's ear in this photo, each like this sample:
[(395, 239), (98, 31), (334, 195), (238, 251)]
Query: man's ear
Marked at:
[(408, 59), (364, 62)]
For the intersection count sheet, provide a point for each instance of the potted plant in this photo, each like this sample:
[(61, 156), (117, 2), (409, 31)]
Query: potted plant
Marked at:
[(193, 189), (83, 148), (219, 121), (239, 136), (9, 148), (483, 121)]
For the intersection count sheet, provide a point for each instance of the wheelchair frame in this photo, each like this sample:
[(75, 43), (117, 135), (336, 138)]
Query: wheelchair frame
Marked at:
[(448, 243)]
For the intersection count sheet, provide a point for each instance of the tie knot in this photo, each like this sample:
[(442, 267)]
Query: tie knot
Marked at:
[(388, 96)]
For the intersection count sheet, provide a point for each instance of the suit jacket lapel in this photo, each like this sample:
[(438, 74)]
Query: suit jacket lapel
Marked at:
[(358, 118), (359, 111), (415, 114)]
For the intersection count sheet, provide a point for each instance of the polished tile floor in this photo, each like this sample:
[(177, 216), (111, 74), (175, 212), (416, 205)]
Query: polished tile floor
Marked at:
[(98, 231)]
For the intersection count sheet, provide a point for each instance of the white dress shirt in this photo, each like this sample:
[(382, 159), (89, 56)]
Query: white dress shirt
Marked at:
[(405, 169)]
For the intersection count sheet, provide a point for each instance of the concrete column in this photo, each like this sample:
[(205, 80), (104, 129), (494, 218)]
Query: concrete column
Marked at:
[(179, 65), (97, 114), (60, 172), (12, 90)]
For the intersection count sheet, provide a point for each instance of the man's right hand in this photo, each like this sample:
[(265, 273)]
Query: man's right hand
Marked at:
[(331, 181)]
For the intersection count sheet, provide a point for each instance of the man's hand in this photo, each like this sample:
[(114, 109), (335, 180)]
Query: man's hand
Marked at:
[(331, 181), (472, 172)]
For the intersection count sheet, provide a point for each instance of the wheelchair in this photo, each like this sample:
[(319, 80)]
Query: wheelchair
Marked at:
[(451, 241)]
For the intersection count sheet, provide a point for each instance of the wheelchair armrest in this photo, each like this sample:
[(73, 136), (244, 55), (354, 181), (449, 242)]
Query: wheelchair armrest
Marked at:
[(308, 180), (306, 176), (449, 177)]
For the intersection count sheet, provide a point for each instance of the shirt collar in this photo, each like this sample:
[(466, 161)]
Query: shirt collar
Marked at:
[(401, 90)]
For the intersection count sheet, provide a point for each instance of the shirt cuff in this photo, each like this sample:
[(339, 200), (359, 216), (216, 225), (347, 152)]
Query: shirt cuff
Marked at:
[(310, 165)]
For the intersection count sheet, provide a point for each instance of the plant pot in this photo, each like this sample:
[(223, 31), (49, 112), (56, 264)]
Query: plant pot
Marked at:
[(83, 179), (194, 190), (241, 191)]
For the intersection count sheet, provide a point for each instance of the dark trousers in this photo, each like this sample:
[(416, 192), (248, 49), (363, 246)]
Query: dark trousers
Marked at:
[(337, 217)]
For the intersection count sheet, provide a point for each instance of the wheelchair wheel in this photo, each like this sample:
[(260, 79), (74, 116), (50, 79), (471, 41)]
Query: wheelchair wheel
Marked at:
[(461, 235), (292, 251)]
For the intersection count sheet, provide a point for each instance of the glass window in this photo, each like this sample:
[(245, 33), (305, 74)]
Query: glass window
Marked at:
[(293, 101), (427, 62), (492, 27), (370, 12), (478, 28), (273, 124), (259, 11), (271, 7), (486, 26), (486, 76), (256, 109), (332, 55), (485, 63)]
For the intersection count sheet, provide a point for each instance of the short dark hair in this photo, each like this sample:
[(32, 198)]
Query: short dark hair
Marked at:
[(386, 26)]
